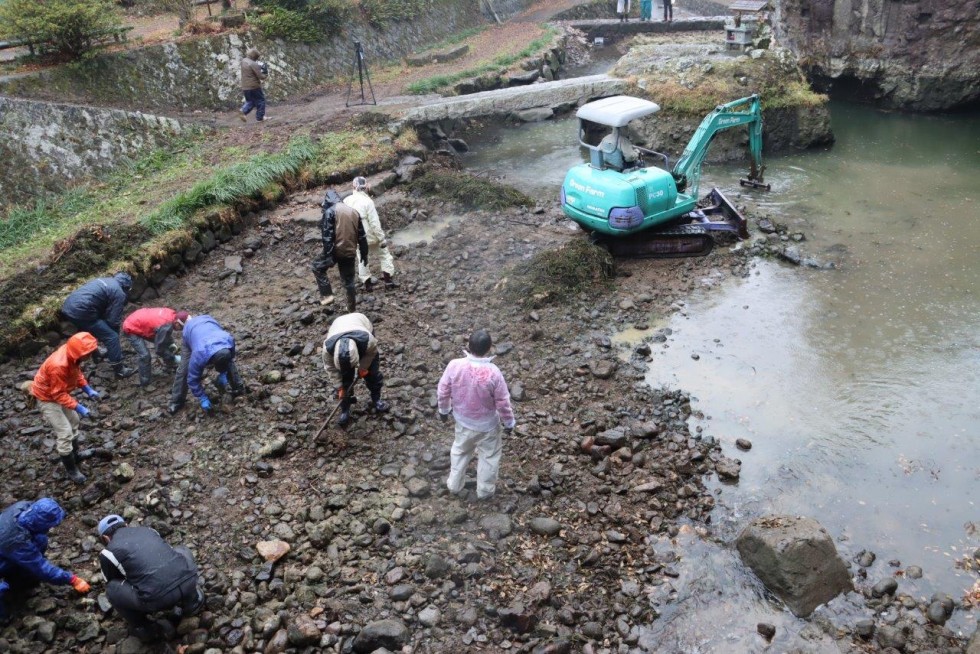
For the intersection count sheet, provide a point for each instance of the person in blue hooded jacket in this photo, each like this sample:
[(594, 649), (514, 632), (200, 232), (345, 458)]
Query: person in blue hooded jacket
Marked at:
[(97, 308), (24, 530), (204, 345)]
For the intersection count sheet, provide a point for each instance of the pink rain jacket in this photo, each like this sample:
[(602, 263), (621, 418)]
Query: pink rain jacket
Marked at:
[(475, 391)]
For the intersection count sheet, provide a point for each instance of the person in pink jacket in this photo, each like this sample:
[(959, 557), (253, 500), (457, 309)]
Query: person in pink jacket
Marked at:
[(473, 391)]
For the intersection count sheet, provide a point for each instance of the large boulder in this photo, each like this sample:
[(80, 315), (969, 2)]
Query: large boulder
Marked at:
[(390, 634), (796, 559)]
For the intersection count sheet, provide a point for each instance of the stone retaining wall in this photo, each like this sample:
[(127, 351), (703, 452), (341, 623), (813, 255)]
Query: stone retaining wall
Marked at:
[(46, 146), (204, 73)]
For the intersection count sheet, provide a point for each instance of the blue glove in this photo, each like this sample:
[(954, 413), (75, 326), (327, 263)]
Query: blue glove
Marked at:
[(205, 403), (223, 379), (91, 392), (82, 411)]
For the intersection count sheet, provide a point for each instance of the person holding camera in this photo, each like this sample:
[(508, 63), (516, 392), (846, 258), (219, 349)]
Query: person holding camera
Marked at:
[(253, 73)]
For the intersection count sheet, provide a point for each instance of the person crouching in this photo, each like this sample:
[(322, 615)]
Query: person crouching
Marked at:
[(352, 351)]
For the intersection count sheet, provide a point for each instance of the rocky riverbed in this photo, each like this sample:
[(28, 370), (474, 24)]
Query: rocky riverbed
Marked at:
[(600, 475)]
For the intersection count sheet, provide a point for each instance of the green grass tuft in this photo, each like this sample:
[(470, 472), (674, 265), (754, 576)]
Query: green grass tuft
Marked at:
[(554, 276)]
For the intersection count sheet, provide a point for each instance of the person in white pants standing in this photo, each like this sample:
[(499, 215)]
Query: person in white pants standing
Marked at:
[(472, 389), (377, 244)]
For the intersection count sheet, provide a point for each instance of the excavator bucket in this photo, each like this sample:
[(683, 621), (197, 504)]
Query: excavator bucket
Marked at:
[(693, 236)]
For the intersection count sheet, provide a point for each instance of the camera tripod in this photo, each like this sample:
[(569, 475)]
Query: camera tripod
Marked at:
[(360, 67)]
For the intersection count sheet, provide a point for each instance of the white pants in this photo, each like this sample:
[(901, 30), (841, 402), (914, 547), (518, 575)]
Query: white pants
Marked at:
[(64, 421), (622, 6), (488, 446), (376, 252)]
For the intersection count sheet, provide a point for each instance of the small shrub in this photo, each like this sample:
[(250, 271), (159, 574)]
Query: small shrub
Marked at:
[(468, 190), (305, 21), (67, 28), (381, 12)]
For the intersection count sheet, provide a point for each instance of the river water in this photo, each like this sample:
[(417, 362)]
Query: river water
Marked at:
[(858, 387)]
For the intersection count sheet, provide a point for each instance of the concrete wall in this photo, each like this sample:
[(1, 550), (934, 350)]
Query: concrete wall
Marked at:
[(204, 73), (46, 146)]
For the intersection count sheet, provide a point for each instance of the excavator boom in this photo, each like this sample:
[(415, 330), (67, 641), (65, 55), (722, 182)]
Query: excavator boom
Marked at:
[(747, 111)]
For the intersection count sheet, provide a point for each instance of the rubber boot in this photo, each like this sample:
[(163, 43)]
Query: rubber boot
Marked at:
[(72, 470), (80, 455), (344, 418), (144, 379), (381, 406), (122, 372), (351, 301), (389, 281), (369, 285)]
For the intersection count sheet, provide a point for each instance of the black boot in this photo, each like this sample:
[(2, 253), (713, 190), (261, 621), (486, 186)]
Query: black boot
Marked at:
[(389, 282), (344, 418), (72, 470), (381, 406), (80, 455), (351, 301), (122, 372), (369, 285)]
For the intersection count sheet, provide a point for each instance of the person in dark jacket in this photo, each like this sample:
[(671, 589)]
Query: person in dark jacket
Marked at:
[(24, 530), (156, 325), (205, 344), (351, 350), (144, 575), (97, 307), (344, 239)]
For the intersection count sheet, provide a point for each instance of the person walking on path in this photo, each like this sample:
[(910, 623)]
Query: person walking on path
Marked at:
[(204, 344), (24, 528), (97, 308), (59, 375), (351, 350), (646, 10), (377, 243), (253, 74), (344, 241), (668, 11), (144, 575), (472, 389), (155, 325)]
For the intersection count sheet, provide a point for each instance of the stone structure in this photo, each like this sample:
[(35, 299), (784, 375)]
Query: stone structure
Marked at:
[(917, 55), (796, 559), (47, 146)]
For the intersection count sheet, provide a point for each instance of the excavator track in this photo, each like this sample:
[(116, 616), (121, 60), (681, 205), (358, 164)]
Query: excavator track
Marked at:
[(671, 243)]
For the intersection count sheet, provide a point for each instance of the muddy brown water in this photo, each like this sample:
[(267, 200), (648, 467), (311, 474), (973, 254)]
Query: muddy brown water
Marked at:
[(857, 386)]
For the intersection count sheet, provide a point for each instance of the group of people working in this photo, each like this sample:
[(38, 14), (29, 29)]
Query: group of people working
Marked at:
[(143, 574)]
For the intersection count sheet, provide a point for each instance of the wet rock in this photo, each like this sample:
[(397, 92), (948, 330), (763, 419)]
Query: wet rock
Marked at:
[(615, 438), (891, 636), (865, 558), (303, 631), (936, 613), (886, 586), (131, 645), (544, 526), (743, 444), (123, 473), (272, 550), (533, 115), (271, 377), (277, 643), (430, 616), (516, 618), (540, 592), (766, 630), (274, 448), (418, 487), (913, 572), (865, 628), (390, 634), (436, 566), (234, 264), (602, 368), (728, 469), (796, 559), (401, 592), (497, 523)]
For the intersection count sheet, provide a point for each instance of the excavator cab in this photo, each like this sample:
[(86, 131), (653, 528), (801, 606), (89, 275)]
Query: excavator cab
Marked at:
[(619, 194)]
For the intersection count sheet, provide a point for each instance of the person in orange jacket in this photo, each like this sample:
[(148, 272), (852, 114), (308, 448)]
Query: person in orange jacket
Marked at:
[(58, 376), (155, 325)]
